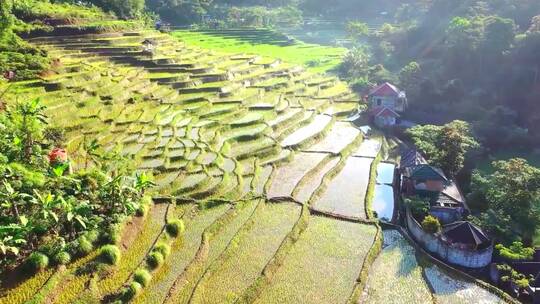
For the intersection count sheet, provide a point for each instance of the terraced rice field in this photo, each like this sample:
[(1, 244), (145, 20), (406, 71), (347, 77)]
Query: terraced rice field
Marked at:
[(250, 251), (397, 270), (183, 252), (449, 290), (265, 43), (323, 264), (369, 148), (226, 133), (288, 176), (345, 194), (340, 136)]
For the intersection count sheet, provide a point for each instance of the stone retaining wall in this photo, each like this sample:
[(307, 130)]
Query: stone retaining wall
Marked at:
[(453, 255)]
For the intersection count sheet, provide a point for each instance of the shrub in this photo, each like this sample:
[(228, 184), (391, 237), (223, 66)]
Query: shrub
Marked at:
[(110, 254), (163, 248), (431, 224), (508, 274), (92, 236), (37, 261), (62, 258), (419, 206), (155, 259), (131, 291), (84, 246), (142, 276), (112, 234), (175, 227), (516, 251)]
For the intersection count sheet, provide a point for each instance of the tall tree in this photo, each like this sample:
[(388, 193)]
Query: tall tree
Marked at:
[(512, 195), (445, 146)]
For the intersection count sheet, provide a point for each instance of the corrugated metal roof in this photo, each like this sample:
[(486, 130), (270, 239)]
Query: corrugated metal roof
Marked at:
[(427, 172)]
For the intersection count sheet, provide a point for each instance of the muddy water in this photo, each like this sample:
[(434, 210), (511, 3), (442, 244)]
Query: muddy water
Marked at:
[(345, 194), (289, 175), (315, 127), (341, 135)]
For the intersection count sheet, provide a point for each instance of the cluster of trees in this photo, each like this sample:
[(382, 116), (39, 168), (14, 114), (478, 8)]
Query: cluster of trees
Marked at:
[(15, 54), (47, 208), (227, 13), (446, 146), (471, 60), (508, 201)]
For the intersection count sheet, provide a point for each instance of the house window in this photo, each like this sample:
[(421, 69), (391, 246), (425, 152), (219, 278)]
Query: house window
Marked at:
[(379, 101)]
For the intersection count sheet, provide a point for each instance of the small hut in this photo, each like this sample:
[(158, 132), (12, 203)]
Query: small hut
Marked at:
[(464, 234)]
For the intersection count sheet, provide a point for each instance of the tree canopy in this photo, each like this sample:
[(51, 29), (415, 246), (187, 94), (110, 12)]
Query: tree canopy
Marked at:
[(511, 198), (445, 146)]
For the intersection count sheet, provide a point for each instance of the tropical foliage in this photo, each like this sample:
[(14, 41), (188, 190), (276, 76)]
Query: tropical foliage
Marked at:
[(446, 146), (516, 251), (510, 197), (47, 210)]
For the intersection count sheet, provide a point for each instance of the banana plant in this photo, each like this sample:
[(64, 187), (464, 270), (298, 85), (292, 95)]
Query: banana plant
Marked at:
[(12, 199), (91, 152), (12, 237), (49, 205), (77, 213), (143, 182), (31, 119)]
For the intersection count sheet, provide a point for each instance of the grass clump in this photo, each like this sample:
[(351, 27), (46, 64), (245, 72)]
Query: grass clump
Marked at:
[(175, 227), (62, 258), (142, 276), (83, 246), (155, 260), (131, 291), (163, 248), (110, 254), (112, 234), (37, 261)]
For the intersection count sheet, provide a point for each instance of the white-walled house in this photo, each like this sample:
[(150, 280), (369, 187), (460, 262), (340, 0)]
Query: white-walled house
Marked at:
[(384, 117), (389, 96)]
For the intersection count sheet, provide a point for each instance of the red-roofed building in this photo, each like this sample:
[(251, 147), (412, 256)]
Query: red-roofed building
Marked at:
[(384, 116), (388, 95)]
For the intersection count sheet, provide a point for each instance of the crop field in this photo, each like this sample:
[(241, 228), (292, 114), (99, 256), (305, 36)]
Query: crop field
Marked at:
[(369, 148), (288, 176), (398, 270), (318, 58), (345, 194), (323, 264), (449, 290), (250, 251), (249, 148)]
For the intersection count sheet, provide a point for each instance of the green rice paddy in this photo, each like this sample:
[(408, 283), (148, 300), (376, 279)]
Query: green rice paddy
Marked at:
[(317, 58)]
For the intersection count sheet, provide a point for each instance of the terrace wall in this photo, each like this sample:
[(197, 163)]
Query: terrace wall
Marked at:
[(453, 255)]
